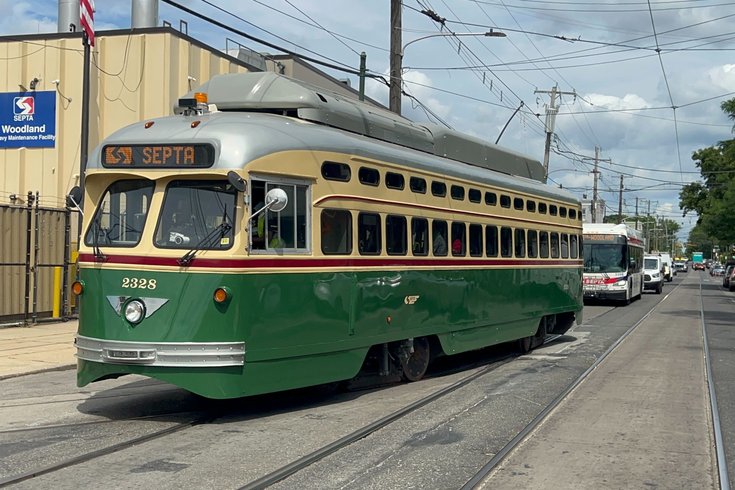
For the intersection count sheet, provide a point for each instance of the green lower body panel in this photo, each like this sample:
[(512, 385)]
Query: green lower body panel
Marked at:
[(286, 330)]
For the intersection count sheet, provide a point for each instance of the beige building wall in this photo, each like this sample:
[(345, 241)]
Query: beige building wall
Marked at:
[(135, 75)]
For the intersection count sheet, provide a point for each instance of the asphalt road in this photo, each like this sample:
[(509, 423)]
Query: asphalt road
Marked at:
[(439, 446)]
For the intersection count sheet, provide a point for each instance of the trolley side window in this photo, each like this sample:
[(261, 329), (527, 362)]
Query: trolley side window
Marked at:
[(459, 240), (197, 214), (336, 232), (574, 248), (544, 245), (121, 214), (554, 245), (395, 235), (491, 241), (506, 242), (532, 244), (475, 241), (420, 236), (520, 242), (286, 230), (368, 233), (439, 237)]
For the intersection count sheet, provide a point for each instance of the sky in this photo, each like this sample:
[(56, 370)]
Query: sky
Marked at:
[(640, 80)]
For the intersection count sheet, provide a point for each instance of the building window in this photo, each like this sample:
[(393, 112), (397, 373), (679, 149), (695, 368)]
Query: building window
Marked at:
[(336, 232), (336, 171)]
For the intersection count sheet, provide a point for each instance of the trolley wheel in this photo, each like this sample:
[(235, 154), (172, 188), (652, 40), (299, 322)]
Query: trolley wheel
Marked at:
[(525, 344), (414, 366)]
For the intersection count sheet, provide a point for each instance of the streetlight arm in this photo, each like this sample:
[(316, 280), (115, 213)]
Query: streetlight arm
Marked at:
[(490, 33)]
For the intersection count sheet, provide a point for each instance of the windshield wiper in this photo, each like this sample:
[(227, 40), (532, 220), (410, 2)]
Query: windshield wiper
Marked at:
[(98, 255), (217, 233)]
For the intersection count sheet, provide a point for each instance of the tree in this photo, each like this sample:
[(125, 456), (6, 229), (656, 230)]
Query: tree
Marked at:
[(714, 199)]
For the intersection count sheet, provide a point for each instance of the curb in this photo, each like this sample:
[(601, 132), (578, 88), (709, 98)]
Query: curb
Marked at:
[(64, 367)]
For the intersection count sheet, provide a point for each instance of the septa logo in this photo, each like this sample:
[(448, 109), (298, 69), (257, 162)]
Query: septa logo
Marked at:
[(24, 105)]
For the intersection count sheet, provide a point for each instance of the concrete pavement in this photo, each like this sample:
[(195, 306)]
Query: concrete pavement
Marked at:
[(42, 347)]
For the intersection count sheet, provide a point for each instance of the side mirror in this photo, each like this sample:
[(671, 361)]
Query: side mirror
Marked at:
[(276, 200), (236, 181), (74, 197)]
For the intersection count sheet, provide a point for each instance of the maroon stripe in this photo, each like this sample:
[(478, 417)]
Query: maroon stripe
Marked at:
[(310, 262)]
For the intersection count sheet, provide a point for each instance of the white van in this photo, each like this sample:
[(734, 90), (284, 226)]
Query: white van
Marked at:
[(668, 265), (653, 277)]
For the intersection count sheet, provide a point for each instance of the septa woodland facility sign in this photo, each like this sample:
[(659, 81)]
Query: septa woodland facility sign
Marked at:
[(28, 119)]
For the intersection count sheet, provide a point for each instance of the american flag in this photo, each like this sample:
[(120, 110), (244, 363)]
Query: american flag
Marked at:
[(87, 19)]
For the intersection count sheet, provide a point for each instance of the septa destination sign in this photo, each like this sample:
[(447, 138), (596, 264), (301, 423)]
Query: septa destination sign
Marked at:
[(158, 156)]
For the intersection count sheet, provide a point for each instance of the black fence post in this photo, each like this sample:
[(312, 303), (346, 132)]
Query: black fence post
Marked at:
[(27, 291)]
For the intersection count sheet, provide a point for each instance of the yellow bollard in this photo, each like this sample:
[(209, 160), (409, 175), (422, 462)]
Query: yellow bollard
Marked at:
[(56, 313)]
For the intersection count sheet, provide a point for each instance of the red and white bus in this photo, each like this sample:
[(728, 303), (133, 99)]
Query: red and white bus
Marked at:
[(613, 262)]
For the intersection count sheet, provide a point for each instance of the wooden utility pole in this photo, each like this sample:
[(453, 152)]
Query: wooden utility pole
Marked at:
[(551, 111), (594, 185), (620, 201), (396, 57)]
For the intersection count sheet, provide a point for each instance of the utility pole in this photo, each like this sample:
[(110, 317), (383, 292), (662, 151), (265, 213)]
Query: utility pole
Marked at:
[(396, 57), (594, 185), (636, 213), (363, 58), (551, 111), (620, 201)]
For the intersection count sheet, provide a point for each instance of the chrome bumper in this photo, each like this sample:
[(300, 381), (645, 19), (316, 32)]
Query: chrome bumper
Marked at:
[(167, 354)]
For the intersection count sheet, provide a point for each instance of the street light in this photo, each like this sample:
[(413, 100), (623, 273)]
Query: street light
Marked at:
[(396, 68), (490, 33)]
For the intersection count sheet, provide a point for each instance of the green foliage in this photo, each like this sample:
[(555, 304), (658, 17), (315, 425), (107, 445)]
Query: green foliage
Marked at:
[(714, 199)]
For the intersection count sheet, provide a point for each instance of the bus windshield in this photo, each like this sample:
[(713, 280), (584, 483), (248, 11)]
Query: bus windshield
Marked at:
[(121, 214), (193, 211), (599, 258)]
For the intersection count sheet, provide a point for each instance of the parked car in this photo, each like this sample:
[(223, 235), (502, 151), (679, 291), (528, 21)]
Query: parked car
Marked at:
[(731, 280), (717, 270), (727, 276)]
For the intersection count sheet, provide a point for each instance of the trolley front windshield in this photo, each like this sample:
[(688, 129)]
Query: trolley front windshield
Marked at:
[(121, 215), (195, 215)]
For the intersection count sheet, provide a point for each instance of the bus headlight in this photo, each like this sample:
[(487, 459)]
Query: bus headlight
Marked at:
[(134, 311), (624, 282)]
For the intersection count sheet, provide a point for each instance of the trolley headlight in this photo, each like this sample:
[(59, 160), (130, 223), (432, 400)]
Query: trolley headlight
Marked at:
[(134, 311)]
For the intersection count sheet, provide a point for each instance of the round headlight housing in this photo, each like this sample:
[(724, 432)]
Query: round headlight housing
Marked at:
[(135, 311)]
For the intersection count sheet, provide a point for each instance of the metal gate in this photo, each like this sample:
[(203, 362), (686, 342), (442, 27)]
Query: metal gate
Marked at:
[(35, 263)]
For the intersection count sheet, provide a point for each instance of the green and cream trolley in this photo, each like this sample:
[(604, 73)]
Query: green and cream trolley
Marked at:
[(277, 236)]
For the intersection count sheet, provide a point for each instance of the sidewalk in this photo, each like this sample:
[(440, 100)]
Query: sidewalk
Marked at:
[(43, 347)]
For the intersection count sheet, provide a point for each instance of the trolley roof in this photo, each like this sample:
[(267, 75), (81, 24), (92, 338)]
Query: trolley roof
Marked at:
[(272, 92)]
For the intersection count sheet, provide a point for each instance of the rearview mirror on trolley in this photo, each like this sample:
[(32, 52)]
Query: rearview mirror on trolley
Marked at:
[(74, 197), (276, 200)]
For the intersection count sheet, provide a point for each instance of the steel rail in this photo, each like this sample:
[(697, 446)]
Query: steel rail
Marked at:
[(309, 459), (719, 443), (503, 453), (13, 479)]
